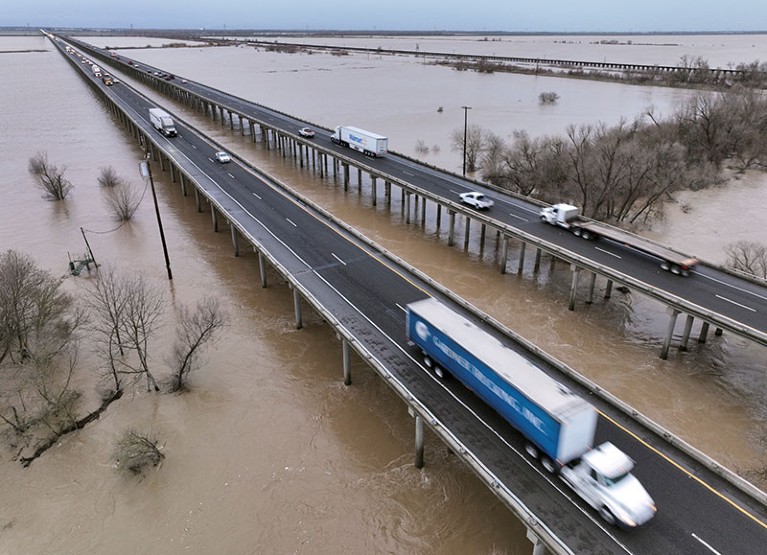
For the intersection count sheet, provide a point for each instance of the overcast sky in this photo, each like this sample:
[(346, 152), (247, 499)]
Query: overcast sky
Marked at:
[(427, 15)]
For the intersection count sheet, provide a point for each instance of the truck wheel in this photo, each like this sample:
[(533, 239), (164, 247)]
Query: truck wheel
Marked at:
[(665, 266), (675, 269), (577, 232), (428, 362), (440, 372), (531, 450), (607, 515), (549, 465), (586, 235)]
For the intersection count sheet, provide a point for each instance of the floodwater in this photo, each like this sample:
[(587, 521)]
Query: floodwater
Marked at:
[(269, 452)]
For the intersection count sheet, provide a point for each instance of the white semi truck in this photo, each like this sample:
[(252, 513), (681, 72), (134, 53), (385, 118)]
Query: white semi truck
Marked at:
[(366, 142), (162, 121), (567, 216), (559, 426)]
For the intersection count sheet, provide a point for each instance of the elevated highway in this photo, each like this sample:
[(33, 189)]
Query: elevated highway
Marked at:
[(361, 290)]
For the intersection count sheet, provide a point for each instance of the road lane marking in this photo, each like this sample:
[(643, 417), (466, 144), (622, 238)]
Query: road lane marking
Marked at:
[(705, 544), (742, 290), (408, 173), (736, 304), (230, 175), (291, 222), (608, 252), (258, 197), (518, 217), (334, 256), (685, 472)]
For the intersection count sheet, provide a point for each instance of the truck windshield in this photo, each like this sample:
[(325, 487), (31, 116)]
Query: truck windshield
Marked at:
[(610, 482)]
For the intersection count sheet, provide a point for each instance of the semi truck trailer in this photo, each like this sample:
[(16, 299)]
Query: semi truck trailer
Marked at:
[(162, 121), (567, 216), (559, 426), (358, 139)]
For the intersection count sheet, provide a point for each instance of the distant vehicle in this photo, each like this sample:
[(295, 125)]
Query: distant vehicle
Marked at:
[(476, 200), (130, 62), (162, 121), (559, 425), (108, 81), (355, 138), (223, 157), (184, 81), (566, 216), (307, 132)]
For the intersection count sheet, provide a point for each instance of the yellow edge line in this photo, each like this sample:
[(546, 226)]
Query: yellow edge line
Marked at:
[(689, 475)]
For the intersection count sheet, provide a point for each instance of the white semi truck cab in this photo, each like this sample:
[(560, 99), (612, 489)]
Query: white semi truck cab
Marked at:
[(602, 477)]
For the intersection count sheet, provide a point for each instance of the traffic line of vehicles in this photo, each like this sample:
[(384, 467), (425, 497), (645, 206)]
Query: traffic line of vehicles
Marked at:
[(558, 425)]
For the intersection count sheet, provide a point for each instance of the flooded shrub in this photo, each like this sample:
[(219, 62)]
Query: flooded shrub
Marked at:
[(549, 97), (135, 452), (421, 147), (49, 177)]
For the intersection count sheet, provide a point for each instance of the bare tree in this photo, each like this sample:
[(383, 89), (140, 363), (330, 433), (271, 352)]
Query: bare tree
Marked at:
[(35, 314), (106, 300), (748, 257), (109, 178), (196, 329), (140, 318), (49, 177), (476, 142), (123, 200), (549, 97), (128, 311)]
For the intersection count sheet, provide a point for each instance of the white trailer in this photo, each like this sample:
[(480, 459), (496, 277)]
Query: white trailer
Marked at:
[(366, 142)]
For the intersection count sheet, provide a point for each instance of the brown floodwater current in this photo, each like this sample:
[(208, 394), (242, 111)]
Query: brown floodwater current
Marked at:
[(269, 452)]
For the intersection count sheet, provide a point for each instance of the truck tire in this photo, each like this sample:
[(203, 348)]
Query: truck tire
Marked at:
[(428, 362), (549, 465), (665, 266), (532, 450), (607, 515), (577, 232), (586, 234), (440, 372)]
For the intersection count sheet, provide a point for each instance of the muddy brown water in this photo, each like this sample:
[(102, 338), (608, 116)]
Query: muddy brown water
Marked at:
[(269, 452)]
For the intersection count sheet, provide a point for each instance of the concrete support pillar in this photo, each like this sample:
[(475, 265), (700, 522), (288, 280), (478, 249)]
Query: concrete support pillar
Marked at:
[(322, 169), (387, 192), (718, 332), (231, 121), (347, 362), (609, 289), (214, 217), (172, 173), (673, 313), (504, 253), (183, 185), (482, 231), (262, 268), (346, 176), (466, 231), (419, 436), (297, 308), (521, 265), (592, 283), (423, 211), (537, 263), (703, 333), (197, 202), (539, 548), (374, 189), (235, 243), (552, 264), (439, 215), (407, 205), (451, 227), (686, 333), (574, 286), (359, 180), (300, 156)]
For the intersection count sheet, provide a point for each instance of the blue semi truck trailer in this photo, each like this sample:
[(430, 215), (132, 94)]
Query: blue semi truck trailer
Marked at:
[(559, 426)]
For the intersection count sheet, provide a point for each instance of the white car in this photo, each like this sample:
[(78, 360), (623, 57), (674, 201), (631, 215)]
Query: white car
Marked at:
[(223, 157), (476, 200), (307, 132)]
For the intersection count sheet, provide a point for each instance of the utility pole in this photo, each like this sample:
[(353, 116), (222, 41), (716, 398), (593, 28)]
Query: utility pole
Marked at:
[(146, 173), (465, 131)]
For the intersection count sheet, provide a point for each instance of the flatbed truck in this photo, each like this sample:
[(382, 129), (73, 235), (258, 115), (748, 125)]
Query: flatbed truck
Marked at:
[(567, 217)]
